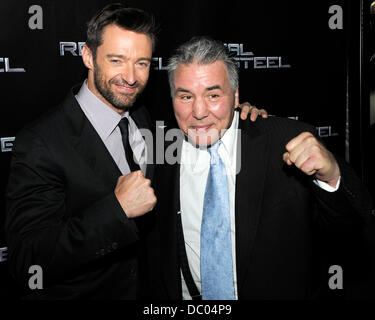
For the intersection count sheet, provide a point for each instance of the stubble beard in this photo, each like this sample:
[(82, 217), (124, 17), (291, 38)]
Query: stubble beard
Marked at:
[(120, 101)]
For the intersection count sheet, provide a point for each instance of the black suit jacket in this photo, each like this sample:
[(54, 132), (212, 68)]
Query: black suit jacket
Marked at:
[(62, 213), (277, 209)]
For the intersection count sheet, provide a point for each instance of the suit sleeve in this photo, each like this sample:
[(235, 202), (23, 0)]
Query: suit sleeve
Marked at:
[(40, 230), (350, 204)]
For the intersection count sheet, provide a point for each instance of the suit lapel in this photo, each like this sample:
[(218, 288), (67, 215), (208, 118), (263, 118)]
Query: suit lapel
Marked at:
[(168, 228), (91, 148), (252, 152), (142, 122), (88, 144)]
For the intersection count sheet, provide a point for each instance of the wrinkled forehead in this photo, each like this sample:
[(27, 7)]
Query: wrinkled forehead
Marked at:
[(197, 75), (117, 38)]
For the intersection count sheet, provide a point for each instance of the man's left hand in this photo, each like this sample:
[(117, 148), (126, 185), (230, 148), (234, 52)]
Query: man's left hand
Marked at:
[(311, 157), (247, 108)]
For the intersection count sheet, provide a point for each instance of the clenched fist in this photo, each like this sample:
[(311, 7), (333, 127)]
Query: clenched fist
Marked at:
[(311, 157), (135, 195)]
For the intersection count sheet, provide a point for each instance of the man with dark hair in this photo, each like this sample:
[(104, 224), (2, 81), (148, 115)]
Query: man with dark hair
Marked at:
[(80, 181), (136, 20), (246, 197), (79, 177)]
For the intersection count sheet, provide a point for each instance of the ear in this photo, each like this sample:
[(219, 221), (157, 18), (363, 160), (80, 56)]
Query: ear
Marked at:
[(87, 57), (236, 99)]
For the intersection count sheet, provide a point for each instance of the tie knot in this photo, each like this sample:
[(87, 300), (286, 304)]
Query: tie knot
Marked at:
[(214, 152), (123, 124)]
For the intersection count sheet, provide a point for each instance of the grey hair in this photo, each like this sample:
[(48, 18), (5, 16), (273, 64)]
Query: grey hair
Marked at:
[(202, 50)]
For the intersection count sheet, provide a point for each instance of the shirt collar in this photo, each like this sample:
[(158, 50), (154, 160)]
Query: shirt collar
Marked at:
[(229, 139), (102, 117)]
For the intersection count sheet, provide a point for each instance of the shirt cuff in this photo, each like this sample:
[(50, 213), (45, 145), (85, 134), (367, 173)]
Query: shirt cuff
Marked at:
[(325, 186)]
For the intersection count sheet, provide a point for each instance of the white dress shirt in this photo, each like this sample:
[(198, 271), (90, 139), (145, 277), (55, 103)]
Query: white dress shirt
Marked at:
[(105, 121), (194, 169)]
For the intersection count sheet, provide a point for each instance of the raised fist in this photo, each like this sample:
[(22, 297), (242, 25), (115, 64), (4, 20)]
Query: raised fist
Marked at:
[(311, 157)]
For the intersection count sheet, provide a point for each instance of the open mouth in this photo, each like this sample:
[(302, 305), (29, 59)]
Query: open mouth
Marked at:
[(201, 128)]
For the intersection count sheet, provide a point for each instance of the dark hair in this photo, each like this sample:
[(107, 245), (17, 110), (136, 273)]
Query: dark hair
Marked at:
[(132, 19)]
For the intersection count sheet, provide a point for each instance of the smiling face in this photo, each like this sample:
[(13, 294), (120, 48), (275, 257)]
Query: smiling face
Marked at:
[(120, 70), (203, 101)]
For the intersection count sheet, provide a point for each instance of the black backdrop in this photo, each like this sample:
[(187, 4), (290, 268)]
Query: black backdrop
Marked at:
[(308, 73)]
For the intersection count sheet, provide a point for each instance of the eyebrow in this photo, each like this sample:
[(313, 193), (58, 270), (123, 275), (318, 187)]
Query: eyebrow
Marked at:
[(123, 57), (215, 87), (182, 90), (115, 56)]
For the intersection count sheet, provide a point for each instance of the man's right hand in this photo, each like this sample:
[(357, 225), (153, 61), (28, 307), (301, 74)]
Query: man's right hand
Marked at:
[(135, 195)]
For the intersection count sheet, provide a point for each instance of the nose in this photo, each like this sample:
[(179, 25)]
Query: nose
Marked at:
[(200, 109), (128, 74)]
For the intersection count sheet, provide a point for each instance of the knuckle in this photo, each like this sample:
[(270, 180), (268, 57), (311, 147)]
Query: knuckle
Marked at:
[(152, 192), (292, 156), (310, 139), (315, 150), (120, 181)]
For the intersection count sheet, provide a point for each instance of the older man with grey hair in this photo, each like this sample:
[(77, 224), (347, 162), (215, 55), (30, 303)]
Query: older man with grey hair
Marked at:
[(246, 197)]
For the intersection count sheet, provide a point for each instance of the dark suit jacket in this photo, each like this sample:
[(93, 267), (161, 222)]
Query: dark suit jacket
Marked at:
[(62, 213), (276, 210)]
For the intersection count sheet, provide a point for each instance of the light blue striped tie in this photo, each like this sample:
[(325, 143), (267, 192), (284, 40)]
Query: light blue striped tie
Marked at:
[(216, 247)]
